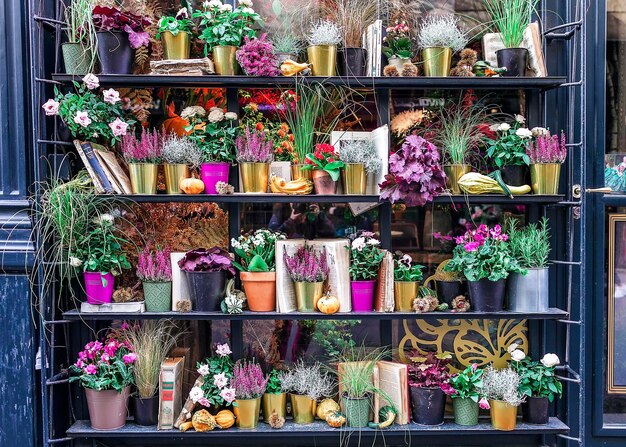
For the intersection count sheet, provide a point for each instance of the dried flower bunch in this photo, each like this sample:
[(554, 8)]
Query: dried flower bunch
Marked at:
[(145, 149), (429, 370), (547, 148), (307, 380), (361, 151), (503, 385), (154, 265), (254, 146), (307, 264), (217, 371), (324, 32), (441, 31), (248, 380), (181, 150), (257, 58)]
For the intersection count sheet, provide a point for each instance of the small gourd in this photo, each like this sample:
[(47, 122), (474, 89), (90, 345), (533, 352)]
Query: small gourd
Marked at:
[(203, 421), (328, 304), (386, 416), (325, 407), (191, 185), (225, 419), (335, 419)]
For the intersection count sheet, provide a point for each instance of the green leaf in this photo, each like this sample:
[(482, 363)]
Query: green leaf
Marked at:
[(258, 264)]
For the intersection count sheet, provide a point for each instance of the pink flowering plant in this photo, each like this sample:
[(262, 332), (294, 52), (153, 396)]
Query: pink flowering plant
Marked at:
[(429, 370), (415, 173), (307, 264), (248, 380), (256, 57), (254, 146), (105, 365), (145, 149), (467, 384), (397, 42), (154, 265), (365, 257), (217, 372), (113, 19), (547, 148)]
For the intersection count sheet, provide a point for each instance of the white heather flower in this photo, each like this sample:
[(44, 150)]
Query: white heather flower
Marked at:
[(518, 355), (223, 350), (540, 131), (75, 262), (220, 380), (111, 96), (51, 107), (226, 8), (82, 118), (520, 119), (504, 127), (182, 14), (118, 127), (189, 112), (358, 244), (230, 116), (247, 3), (373, 242), (216, 116), (550, 360), (522, 132), (91, 81), (196, 394), (203, 370)]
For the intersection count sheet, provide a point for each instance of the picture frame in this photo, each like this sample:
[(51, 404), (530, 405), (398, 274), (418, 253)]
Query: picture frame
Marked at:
[(616, 305)]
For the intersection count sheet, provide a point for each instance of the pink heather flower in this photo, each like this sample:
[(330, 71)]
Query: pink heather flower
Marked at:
[(111, 96), (51, 107), (118, 127), (484, 404), (91, 369), (129, 358), (220, 380), (223, 350), (91, 81), (228, 394), (82, 118), (125, 326)]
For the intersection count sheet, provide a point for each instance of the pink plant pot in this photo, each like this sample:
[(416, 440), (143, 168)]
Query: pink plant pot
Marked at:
[(99, 287), (363, 295), (107, 408), (211, 173)]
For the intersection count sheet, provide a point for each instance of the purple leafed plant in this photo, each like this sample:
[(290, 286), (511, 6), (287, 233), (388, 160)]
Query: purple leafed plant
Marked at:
[(154, 265), (256, 57), (415, 174), (254, 147), (306, 265), (547, 149), (429, 370), (248, 380), (145, 149), (213, 259)]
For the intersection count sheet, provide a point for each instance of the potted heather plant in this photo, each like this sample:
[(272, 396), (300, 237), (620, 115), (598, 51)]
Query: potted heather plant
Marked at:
[(274, 400), (175, 33), (207, 271), (105, 370), (508, 151), (178, 154), (428, 378), (365, 259), (398, 47), (360, 162), (216, 373), (306, 384), (154, 270), (438, 37), (143, 156), (464, 388), (406, 277), (79, 51), (255, 152), (326, 166), (546, 155), (501, 388), (323, 38), (257, 58), (308, 269), (249, 384), (257, 267)]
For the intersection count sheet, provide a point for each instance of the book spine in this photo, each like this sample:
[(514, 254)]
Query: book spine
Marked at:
[(97, 168), (166, 413)]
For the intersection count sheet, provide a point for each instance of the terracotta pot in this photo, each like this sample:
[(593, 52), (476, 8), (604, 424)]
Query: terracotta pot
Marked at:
[(260, 289), (108, 408), (323, 183)]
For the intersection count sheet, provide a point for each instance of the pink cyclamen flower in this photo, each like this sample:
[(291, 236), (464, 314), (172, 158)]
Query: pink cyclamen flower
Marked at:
[(474, 367), (51, 107), (91, 81), (228, 394), (471, 246), (90, 369), (118, 127), (129, 358), (111, 96), (204, 402), (220, 380), (79, 363), (447, 389), (82, 118), (484, 404), (223, 350)]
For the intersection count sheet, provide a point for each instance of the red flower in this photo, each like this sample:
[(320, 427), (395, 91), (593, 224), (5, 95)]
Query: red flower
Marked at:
[(319, 156), (259, 126)]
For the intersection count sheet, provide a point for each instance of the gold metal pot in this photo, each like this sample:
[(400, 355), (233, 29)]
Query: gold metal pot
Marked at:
[(247, 412), (175, 46), (323, 59), (303, 409), (323, 183), (224, 60), (454, 173), (274, 403), (307, 294), (174, 173), (143, 177), (405, 292), (297, 172), (544, 178), (437, 61), (254, 176), (503, 415), (354, 178)]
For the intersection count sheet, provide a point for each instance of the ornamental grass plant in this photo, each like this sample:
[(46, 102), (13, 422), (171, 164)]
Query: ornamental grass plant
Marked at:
[(511, 18)]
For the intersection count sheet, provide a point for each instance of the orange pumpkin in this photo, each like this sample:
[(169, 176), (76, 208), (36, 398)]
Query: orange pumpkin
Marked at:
[(175, 124), (328, 304), (191, 185), (225, 419)]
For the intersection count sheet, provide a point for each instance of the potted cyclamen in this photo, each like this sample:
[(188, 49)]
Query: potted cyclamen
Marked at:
[(216, 372), (406, 277), (546, 155), (464, 388), (207, 271), (178, 154), (308, 269), (398, 46), (326, 166), (360, 162), (365, 259), (175, 34), (105, 370), (154, 270), (501, 388), (428, 378), (255, 152), (249, 384), (438, 37), (119, 34), (80, 49), (143, 156), (306, 384), (257, 267), (274, 400), (508, 151), (323, 39)]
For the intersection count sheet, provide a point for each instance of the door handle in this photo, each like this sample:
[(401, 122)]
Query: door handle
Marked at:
[(599, 190)]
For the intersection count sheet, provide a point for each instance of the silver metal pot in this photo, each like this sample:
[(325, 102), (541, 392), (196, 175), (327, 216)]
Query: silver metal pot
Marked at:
[(528, 293)]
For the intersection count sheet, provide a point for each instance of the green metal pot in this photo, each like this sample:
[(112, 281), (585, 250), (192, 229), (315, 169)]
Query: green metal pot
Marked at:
[(158, 296)]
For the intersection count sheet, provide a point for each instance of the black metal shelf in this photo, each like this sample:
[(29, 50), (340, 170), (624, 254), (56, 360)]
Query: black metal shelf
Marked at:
[(551, 314), (362, 82)]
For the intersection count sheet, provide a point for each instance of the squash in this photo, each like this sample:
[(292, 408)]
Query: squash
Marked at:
[(335, 419), (386, 416), (328, 304), (174, 123), (325, 407), (191, 185), (203, 421), (225, 419)]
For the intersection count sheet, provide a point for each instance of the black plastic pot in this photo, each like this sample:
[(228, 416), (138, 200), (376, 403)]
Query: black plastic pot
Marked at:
[(206, 290), (353, 61), (449, 290), (487, 296), (146, 410), (428, 405), (514, 59), (535, 410), (115, 53), (515, 175)]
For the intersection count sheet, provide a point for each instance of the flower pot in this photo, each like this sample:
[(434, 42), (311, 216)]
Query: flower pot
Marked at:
[(211, 173), (207, 290), (225, 61), (437, 61), (354, 178), (174, 173), (99, 287), (176, 46), (363, 295), (515, 60), (247, 413), (323, 59), (323, 183), (544, 178), (115, 53), (354, 61), (465, 411), (453, 174), (399, 62), (303, 409), (274, 403), (528, 293), (254, 177), (77, 60), (487, 296), (357, 411), (260, 289), (536, 410), (515, 175), (107, 408), (143, 177), (158, 296), (307, 294), (503, 415), (282, 57), (146, 410), (297, 172), (449, 290), (404, 294), (427, 405)]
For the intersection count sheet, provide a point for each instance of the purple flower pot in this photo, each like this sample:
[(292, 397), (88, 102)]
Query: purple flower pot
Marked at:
[(211, 173), (363, 295), (99, 287)]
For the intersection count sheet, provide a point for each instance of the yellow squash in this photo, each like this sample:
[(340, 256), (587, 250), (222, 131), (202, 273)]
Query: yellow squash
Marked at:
[(475, 183)]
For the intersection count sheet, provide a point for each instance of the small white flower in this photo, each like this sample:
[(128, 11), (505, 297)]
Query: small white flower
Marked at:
[(212, 4), (373, 242), (220, 380), (203, 370), (247, 10), (118, 127), (518, 355), (196, 394), (523, 132), (512, 348), (230, 116), (504, 127), (51, 107), (75, 262), (111, 96), (550, 360), (91, 81), (216, 116), (540, 131), (226, 8), (189, 112), (182, 14), (106, 218), (82, 118), (494, 127), (358, 244), (223, 350), (247, 3), (520, 119)]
